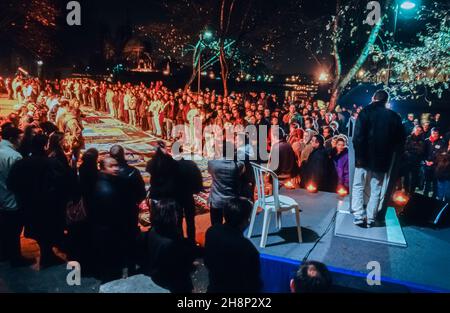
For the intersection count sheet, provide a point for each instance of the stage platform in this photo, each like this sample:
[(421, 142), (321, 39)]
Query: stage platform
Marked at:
[(420, 266)]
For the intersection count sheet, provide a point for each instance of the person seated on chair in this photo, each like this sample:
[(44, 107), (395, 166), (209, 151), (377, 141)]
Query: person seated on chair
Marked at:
[(232, 260), (282, 157), (319, 169), (339, 155), (312, 277)]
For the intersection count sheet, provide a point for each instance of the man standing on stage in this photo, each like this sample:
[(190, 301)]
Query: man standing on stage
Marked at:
[(378, 134)]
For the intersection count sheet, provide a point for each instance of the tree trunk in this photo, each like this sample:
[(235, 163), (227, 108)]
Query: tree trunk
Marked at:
[(191, 79), (224, 29), (224, 69), (342, 81), (336, 92), (195, 59), (337, 60)]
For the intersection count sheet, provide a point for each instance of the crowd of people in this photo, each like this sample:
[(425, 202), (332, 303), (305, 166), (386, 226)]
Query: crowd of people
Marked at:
[(426, 158), (158, 110), (312, 137), (88, 207)]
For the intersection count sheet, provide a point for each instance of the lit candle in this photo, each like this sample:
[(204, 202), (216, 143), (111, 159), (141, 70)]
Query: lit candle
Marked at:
[(342, 192), (311, 188), (400, 198), (289, 185)]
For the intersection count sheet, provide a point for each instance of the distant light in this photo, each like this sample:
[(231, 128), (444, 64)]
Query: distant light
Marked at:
[(207, 34), (311, 188), (212, 75), (323, 77), (40, 62), (361, 73), (432, 70), (407, 5)]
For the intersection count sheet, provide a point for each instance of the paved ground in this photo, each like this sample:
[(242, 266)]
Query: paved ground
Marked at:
[(53, 279)]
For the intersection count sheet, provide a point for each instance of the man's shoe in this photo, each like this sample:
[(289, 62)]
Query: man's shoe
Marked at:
[(376, 223), (22, 262), (358, 222)]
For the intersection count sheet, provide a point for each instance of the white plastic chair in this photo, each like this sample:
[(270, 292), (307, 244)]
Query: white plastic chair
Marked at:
[(271, 204)]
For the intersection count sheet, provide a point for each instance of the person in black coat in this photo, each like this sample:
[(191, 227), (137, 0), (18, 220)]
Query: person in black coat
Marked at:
[(319, 169), (42, 190), (88, 174), (56, 149), (132, 177), (413, 156), (109, 222), (163, 170), (434, 145), (408, 124), (167, 257), (282, 157), (378, 135), (232, 260), (133, 188), (79, 232), (190, 182)]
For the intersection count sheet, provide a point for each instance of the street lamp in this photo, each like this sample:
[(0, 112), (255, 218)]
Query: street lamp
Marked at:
[(206, 35), (39, 67), (405, 5)]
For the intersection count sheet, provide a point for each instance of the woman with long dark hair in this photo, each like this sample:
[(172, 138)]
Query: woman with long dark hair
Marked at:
[(88, 173), (168, 258), (56, 148), (163, 170), (79, 231)]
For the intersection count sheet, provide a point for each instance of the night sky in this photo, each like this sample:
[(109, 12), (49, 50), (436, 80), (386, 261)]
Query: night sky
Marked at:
[(78, 44), (116, 13)]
